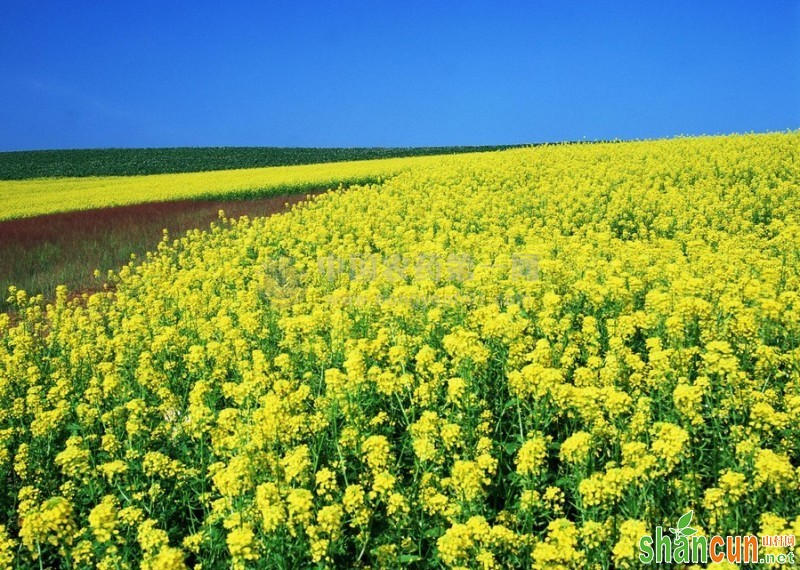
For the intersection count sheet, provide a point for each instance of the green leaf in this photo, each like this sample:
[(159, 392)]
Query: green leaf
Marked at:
[(409, 558), (685, 520), (688, 531), (433, 532)]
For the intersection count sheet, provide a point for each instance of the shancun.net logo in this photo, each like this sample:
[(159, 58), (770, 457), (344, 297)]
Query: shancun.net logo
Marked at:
[(687, 547)]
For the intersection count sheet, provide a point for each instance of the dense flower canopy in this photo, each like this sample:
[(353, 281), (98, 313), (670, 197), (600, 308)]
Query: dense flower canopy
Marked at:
[(523, 358)]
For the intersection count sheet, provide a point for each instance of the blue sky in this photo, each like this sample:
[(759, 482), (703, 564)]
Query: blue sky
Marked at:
[(79, 74)]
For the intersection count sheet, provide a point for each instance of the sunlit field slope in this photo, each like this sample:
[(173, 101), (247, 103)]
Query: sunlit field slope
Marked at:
[(24, 198), (518, 359)]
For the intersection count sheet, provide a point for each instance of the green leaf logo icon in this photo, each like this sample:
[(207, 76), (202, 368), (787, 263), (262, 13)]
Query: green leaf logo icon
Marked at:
[(683, 526)]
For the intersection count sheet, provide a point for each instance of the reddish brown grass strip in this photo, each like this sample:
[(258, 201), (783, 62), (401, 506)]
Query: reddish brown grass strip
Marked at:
[(36, 254), (175, 216)]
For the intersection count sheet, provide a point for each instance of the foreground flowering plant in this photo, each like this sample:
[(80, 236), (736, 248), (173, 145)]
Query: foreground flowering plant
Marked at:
[(425, 399)]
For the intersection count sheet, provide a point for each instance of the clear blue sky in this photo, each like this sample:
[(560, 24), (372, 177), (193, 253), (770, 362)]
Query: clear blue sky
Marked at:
[(82, 73)]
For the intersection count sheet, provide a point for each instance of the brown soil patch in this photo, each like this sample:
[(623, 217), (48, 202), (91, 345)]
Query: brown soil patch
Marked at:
[(38, 253), (175, 216)]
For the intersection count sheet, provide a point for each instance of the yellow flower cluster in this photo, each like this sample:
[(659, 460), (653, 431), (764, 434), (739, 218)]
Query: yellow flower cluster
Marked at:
[(518, 359), (24, 198)]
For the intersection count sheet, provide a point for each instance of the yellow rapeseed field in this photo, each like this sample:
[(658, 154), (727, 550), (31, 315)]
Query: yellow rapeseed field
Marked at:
[(519, 359), (32, 197)]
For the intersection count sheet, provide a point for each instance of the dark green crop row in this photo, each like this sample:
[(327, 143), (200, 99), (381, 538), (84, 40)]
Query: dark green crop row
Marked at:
[(20, 165)]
